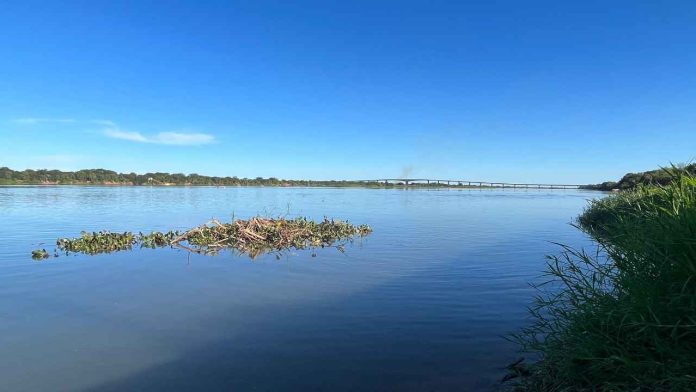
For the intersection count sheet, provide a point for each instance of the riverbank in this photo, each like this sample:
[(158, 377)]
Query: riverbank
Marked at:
[(660, 176), (623, 318)]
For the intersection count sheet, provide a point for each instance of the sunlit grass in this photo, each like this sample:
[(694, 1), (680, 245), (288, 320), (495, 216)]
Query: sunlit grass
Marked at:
[(624, 318)]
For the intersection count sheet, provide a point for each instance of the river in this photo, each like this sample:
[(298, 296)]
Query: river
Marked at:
[(422, 303)]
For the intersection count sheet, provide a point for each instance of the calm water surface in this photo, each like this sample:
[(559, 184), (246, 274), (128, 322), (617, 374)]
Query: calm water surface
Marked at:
[(421, 304)]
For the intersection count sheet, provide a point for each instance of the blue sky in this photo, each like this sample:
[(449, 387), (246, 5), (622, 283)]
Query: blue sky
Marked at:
[(558, 91)]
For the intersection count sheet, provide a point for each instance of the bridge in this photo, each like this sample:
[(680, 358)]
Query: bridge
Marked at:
[(467, 183)]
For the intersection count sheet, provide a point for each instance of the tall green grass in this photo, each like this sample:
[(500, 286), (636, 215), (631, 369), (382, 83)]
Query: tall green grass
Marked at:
[(623, 318)]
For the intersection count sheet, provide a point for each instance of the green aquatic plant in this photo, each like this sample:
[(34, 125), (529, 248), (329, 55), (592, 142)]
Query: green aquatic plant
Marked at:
[(623, 318), (156, 239), (97, 242), (107, 242), (254, 236), (39, 254)]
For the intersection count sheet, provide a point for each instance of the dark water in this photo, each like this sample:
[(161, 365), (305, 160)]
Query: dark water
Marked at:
[(421, 304)]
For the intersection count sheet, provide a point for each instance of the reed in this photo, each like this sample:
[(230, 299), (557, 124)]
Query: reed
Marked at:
[(622, 318)]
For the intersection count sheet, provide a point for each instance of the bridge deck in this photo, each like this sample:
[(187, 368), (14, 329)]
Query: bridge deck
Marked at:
[(472, 184)]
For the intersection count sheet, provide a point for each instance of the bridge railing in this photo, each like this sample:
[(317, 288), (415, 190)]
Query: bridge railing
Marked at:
[(468, 183)]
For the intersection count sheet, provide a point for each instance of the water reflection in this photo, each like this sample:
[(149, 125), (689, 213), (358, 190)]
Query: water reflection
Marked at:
[(420, 304)]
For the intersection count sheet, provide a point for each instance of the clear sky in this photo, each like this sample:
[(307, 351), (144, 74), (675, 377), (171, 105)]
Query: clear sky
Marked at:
[(552, 91)]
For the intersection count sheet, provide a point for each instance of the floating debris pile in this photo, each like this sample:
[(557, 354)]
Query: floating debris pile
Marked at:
[(254, 236), (259, 235)]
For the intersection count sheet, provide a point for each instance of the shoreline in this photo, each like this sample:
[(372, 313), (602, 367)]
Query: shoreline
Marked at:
[(354, 186)]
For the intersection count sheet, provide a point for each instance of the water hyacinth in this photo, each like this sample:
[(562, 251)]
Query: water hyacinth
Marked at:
[(39, 254), (97, 242), (254, 237)]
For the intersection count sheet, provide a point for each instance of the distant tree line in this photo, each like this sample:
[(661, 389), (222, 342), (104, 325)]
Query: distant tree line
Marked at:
[(661, 176), (102, 176), (109, 177)]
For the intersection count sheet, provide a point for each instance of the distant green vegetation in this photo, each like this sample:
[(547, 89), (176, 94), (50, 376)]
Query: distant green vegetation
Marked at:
[(108, 177), (632, 180), (623, 319)]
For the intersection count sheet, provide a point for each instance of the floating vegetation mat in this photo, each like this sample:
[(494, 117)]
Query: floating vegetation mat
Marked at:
[(253, 237)]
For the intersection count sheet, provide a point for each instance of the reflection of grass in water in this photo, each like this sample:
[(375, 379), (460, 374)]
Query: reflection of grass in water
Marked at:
[(254, 237), (625, 320)]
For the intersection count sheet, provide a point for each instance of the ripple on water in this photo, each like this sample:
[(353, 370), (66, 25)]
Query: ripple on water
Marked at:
[(419, 304)]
